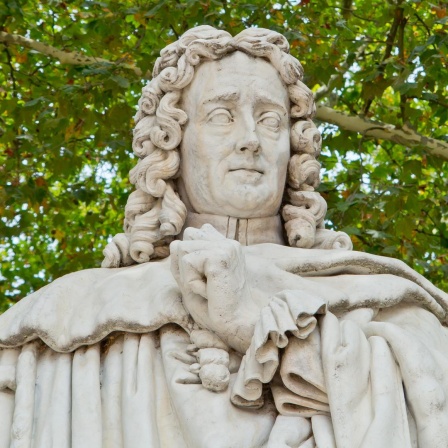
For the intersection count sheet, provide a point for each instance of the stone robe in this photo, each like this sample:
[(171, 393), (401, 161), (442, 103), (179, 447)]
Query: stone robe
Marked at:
[(351, 352)]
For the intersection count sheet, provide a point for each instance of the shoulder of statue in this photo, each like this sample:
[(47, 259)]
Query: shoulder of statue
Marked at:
[(85, 306)]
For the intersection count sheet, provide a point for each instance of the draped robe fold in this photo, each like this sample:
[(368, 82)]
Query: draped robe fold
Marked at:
[(352, 351)]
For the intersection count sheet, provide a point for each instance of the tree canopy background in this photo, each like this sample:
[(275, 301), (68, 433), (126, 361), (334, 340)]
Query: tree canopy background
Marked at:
[(72, 72)]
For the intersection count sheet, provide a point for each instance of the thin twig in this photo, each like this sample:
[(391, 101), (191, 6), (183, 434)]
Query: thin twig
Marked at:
[(400, 42), (440, 103), (324, 90), (11, 71), (398, 16), (423, 23), (174, 31)]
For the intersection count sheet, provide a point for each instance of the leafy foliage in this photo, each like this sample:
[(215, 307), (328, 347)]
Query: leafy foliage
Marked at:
[(65, 134)]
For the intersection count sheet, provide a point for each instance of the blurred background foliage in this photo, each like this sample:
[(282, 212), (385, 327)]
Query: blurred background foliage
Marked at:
[(65, 122)]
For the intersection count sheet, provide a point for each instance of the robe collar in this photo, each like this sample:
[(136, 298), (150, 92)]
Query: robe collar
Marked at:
[(246, 231)]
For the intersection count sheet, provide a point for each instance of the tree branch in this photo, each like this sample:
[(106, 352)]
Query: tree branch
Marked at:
[(423, 23), (405, 136), (347, 9), (398, 17), (400, 44), (11, 72), (71, 57)]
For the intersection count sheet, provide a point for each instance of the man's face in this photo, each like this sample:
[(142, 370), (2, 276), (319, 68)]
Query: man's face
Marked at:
[(235, 148)]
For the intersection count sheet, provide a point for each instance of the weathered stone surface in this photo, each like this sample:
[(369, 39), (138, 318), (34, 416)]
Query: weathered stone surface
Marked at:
[(203, 328)]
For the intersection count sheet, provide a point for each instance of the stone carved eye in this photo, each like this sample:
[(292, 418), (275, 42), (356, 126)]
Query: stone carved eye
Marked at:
[(220, 116), (271, 120)]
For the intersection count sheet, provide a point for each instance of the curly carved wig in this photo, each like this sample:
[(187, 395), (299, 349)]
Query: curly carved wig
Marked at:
[(154, 214)]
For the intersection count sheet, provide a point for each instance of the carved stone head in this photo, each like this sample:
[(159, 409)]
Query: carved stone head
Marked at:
[(226, 124), (235, 147)]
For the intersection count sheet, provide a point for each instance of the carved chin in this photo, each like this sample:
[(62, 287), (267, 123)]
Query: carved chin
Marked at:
[(249, 197)]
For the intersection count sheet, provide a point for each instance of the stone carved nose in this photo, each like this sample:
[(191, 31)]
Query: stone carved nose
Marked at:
[(248, 138), (250, 145), (250, 141)]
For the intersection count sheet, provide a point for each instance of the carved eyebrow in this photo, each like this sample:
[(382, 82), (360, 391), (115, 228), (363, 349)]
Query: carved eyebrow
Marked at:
[(230, 95), (234, 95), (265, 98)]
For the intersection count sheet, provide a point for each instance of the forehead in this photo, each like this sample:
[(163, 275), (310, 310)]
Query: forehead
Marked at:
[(237, 76)]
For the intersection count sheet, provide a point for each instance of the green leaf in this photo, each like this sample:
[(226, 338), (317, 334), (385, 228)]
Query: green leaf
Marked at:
[(36, 101), (122, 82)]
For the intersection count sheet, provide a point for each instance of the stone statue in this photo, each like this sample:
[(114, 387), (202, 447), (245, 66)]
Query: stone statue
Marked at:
[(226, 315)]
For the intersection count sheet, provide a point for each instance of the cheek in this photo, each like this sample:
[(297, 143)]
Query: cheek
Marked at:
[(216, 146), (200, 158), (279, 151), (219, 137), (208, 142), (280, 160), (188, 154), (193, 147)]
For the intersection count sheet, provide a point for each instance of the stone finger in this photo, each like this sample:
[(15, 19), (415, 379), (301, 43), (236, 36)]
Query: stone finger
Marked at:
[(211, 233), (192, 271)]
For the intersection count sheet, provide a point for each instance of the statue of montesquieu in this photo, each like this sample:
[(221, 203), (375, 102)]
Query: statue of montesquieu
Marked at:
[(226, 315)]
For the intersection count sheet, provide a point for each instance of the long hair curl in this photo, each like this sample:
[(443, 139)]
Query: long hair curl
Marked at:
[(154, 213)]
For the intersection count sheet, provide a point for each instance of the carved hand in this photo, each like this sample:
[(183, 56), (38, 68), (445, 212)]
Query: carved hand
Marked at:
[(211, 273)]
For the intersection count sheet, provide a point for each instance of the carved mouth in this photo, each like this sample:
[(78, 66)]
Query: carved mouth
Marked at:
[(249, 170)]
